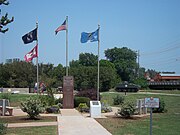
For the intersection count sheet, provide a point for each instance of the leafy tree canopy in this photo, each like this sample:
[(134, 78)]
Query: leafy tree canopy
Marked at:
[(124, 60), (4, 20)]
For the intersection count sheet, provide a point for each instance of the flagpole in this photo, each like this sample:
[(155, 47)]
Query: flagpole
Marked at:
[(37, 59), (66, 45), (98, 65)]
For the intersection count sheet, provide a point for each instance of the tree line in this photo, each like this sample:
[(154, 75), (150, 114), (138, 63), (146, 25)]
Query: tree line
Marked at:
[(120, 65)]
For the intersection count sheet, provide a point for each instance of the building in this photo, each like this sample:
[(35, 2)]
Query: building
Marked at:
[(166, 77), (165, 81), (12, 60)]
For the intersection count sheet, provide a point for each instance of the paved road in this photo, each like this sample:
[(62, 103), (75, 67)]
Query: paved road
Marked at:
[(153, 93), (168, 94)]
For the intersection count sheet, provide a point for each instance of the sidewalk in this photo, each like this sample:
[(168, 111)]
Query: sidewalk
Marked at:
[(32, 124), (73, 123), (69, 122)]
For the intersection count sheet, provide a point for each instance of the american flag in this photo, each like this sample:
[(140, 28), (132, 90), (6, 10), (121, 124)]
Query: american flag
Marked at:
[(62, 27)]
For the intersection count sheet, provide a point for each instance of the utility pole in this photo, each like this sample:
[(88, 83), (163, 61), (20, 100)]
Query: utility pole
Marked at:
[(138, 63)]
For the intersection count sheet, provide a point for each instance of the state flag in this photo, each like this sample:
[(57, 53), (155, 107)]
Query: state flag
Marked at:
[(32, 54), (92, 37)]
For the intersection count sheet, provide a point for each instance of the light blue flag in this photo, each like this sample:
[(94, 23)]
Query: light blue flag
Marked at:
[(92, 37)]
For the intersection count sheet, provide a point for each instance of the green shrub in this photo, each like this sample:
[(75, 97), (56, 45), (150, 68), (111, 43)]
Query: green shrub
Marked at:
[(105, 107), (83, 107), (50, 96), (32, 107), (161, 108), (127, 109), (78, 100), (3, 128), (60, 100), (89, 93), (47, 100), (44, 100), (118, 100), (6, 96)]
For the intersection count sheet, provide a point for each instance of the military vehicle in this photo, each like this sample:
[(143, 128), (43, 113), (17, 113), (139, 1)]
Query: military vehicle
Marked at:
[(127, 87)]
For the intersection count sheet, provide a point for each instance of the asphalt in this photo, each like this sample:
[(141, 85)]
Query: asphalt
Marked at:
[(69, 122)]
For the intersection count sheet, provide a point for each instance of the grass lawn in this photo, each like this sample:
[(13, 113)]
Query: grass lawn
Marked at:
[(163, 124), (16, 99), (45, 130)]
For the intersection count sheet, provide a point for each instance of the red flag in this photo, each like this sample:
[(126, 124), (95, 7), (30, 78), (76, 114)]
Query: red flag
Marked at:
[(32, 54), (62, 27)]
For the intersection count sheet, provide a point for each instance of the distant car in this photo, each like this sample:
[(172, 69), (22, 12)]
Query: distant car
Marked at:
[(59, 89), (127, 87)]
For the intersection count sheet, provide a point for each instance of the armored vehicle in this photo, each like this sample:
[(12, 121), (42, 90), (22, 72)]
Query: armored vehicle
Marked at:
[(127, 87)]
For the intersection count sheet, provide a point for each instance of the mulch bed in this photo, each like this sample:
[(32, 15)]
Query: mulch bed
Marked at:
[(25, 119)]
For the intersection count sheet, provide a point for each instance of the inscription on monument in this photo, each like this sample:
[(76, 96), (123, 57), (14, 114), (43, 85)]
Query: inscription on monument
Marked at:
[(68, 88)]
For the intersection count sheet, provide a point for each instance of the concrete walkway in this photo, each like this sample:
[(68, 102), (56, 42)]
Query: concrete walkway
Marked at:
[(69, 122), (32, 124), (73, 123)]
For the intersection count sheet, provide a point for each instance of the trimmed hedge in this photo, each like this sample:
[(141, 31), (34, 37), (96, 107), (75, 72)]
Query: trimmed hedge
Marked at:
[(89, 93), (78, 100)]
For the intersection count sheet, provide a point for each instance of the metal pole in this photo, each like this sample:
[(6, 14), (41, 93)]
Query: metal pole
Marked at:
[(37, 60), (138, 63), (66, 45), (98, 65), (150, 121), (3, 107)]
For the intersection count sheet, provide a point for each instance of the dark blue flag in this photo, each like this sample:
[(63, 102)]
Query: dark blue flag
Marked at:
[(30, 37), (92, 37)]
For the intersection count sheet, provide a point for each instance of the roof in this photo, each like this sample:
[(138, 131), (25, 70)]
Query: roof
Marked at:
[(170, 75)]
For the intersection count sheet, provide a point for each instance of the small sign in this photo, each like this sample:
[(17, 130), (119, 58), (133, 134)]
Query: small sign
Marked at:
[(95, 103), (151, 102)]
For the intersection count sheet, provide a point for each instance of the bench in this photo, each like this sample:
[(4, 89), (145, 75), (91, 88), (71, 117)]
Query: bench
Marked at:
[(7, 107)]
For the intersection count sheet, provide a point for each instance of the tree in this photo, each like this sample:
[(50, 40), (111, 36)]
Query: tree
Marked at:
[(108, 78), (58, 73), (4, 75), (88, 59), (141, 72), (106, 63), (74, 63), (124, 60), (152, 73), (23, 74), (84, 77), (17, 74), (4, 19)]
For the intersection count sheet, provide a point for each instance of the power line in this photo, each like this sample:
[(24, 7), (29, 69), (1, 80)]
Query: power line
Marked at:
[(167, 61), (162, 51)]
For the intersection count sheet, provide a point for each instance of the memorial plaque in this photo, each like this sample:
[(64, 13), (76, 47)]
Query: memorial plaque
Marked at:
[(151, 102), (68, 88), (95, 103)]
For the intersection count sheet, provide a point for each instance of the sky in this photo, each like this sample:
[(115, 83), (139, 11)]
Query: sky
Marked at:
[(151, 27)]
